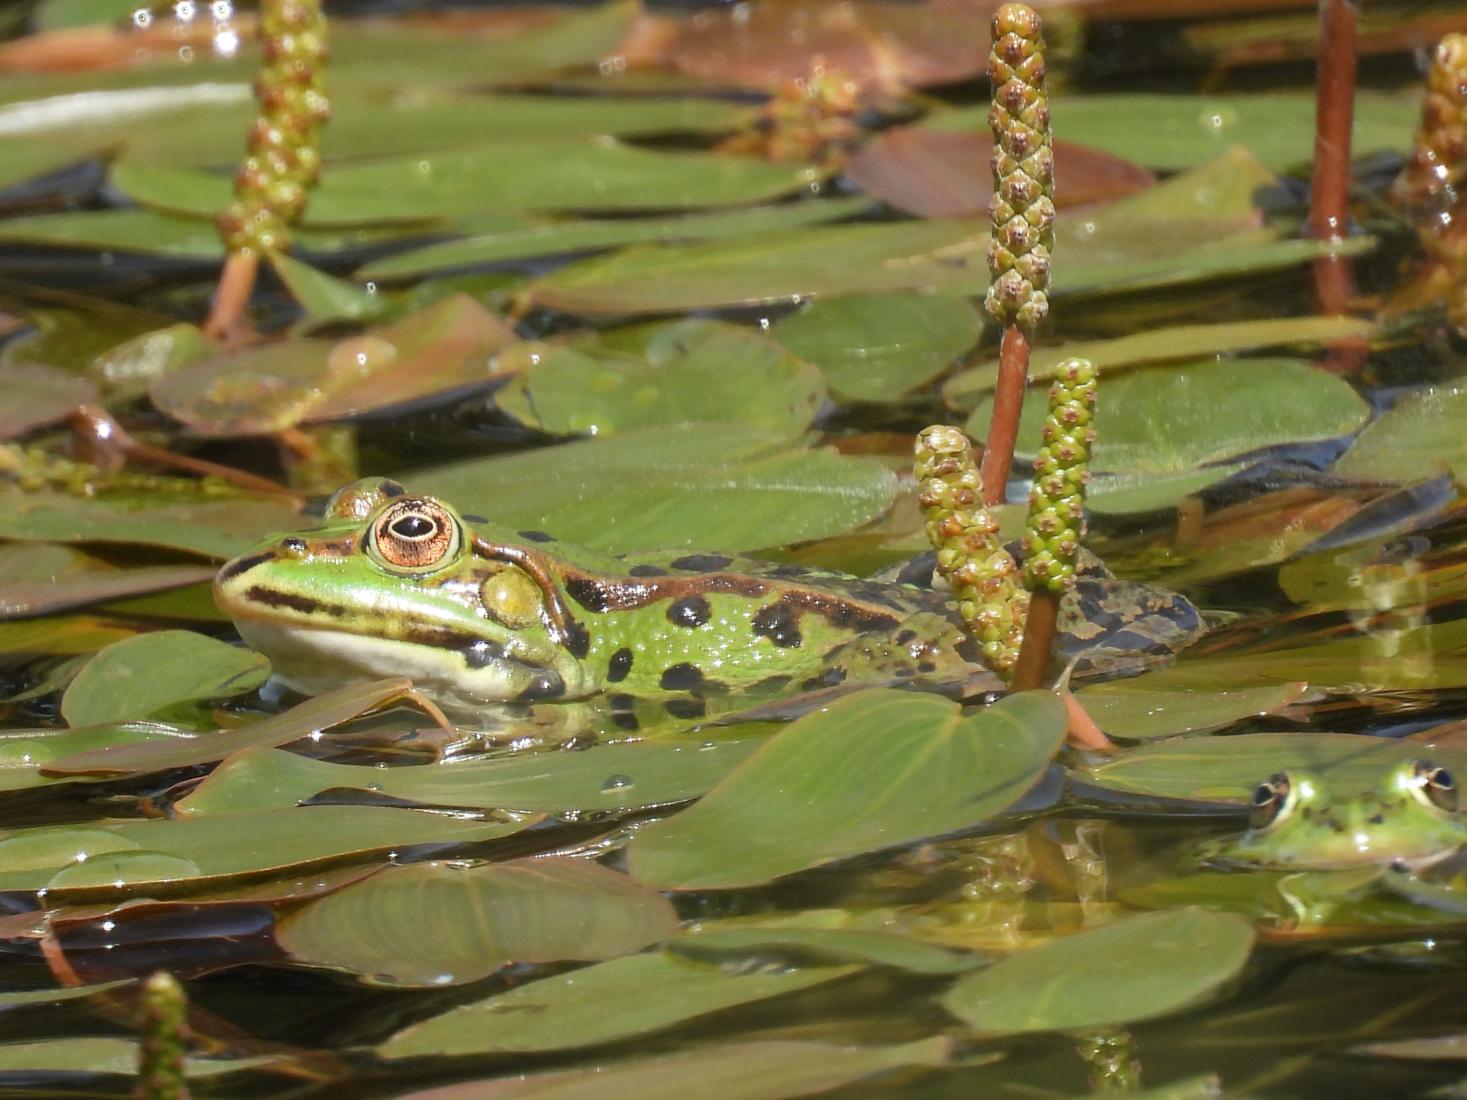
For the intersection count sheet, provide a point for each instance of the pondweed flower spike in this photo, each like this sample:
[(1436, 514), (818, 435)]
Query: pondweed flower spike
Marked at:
[(983, 574), (284, 158), (1430, 188), (1023, 222), (1056, 524), (161, 1050)]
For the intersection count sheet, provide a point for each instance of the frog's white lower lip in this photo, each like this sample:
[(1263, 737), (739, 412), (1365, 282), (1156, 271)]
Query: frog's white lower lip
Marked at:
[(313, 660)]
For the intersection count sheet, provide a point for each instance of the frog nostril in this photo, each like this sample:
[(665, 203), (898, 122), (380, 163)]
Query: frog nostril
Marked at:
[(293, 545)]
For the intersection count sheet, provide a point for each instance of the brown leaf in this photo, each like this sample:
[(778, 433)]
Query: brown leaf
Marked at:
[(942, 174)]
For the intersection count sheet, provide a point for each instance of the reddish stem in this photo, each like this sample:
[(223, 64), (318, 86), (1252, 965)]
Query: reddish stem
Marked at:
[(236, 284), (1008, 403), (1032, 668), (1329, 195)]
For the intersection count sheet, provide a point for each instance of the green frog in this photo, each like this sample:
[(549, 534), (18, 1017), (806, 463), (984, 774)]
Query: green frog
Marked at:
[(1406, 815), (396, 584)]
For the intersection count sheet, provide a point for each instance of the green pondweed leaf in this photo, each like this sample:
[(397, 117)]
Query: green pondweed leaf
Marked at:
[(1134, 969), (36, 396), (1130, 710), (873, 770), (434, 924), (1418, 438), (37, 578)]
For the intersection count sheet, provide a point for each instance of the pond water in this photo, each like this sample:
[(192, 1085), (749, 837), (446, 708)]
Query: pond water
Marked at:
[(655, 303)]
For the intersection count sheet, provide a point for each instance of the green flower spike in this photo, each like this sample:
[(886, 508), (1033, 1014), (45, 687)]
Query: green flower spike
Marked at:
[(161, 1052), (983, 574), (1023, 171), (284, 158), (1061, 470)]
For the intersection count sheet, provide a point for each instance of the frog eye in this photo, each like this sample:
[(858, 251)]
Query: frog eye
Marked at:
[(414, 533), (1269, 799), (1434, 784)]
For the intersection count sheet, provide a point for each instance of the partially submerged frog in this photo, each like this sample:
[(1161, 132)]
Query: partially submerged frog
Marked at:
[(394, 584), (1407, 815)]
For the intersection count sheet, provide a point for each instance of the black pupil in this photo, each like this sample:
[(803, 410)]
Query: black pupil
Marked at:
[(1443, 779), (412, 527), (1262, 794)]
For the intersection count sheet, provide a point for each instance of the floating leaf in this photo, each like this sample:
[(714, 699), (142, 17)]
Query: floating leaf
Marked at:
[(24, 752), (116, 859), (323, 297), (764, 1070), (1174, 419), (1134, 969), (213, 528), (873, 770), (686, 372), (633, 995), (602, 779), (1176, 132), (444, 347), (301, 720), (946, 174), (37, 578), (36, 396), (1168, 344), (435, 924), (1130, 710), (1229, 768), (876, 347), (730, 486), (548, 174), (142, 676), (111, 1056), (127, 370), (831, 945), (518, 243), (1420, 437)]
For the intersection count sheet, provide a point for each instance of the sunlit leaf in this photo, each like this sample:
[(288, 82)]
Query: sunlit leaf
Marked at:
[(1134, 969), (1173, 419), (1167, 344), (1420, 437), (36, 396), (685, 372), (37, 578), (436, 924), (1229, 768), (142, 676), (302, 720), (574, 236), (213, 528), (876, 347), (873, 770), (764, 1070), (548, 174), (729, 486), (602, 779), (324, 297), (633, 995), (1129, 709), (441, 348), (117, 858), (24, 752), (1174, 132)]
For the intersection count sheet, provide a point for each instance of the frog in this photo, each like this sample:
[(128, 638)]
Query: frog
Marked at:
[(400, 584), (1404, 816)]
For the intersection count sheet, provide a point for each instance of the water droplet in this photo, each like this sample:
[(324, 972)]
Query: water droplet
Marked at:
[(707, 745), (617, 783), (142, 18), (185, 10), (185, 53)]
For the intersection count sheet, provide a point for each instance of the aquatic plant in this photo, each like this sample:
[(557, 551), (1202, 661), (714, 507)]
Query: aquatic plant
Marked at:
[(274, 180), (161, 1049), (1023, 221)]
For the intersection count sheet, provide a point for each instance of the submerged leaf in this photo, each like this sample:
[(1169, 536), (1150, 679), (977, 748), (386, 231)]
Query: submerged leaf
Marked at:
[(436, 924), (873, 770)]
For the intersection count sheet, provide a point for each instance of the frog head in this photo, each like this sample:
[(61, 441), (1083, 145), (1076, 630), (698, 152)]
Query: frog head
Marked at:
[(393, 584), (1407, 815)]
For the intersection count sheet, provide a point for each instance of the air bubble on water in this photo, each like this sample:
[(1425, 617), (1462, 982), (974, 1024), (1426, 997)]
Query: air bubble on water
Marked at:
[(185, 10), (707, 745), (226, 42), (142, 18), (185, 53)]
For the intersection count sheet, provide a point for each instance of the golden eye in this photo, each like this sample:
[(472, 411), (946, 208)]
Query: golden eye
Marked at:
[(1269, 800), (414, 533), (1434, 784)]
